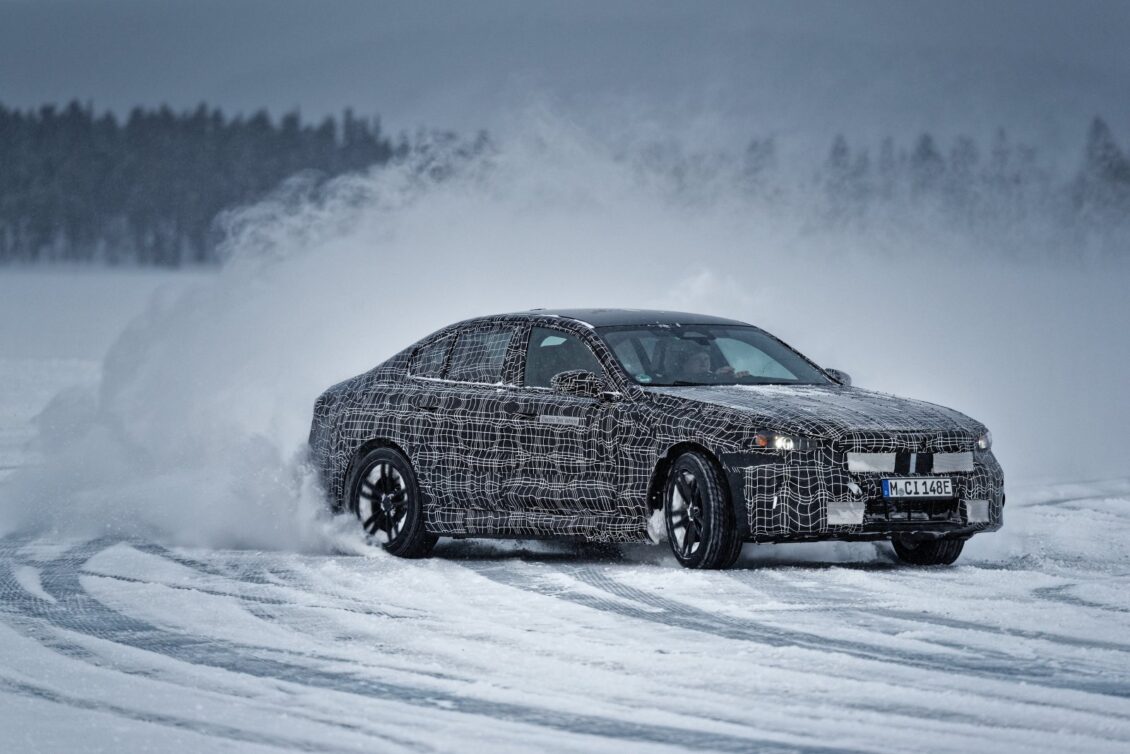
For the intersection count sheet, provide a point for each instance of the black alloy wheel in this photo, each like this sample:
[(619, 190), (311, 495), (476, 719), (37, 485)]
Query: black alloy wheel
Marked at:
[(700, 520), (384, 496)]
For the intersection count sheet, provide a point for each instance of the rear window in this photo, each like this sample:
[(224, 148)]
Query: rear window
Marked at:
[(429, 360), (479, 355)]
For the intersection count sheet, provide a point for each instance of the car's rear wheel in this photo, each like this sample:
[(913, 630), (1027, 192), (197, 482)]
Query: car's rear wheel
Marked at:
[(700, 521), (928, 552), (384, 496)]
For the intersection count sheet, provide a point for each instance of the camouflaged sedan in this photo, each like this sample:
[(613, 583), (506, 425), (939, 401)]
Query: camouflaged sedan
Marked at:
[(615, 425)]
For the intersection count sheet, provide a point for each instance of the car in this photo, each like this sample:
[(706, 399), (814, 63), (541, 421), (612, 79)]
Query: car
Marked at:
[(622, 425)]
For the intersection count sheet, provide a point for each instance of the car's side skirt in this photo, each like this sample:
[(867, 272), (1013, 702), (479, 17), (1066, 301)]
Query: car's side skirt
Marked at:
[(478, 522)]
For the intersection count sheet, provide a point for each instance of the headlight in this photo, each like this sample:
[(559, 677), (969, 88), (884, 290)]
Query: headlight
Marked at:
[(985, 441), (776, 441)]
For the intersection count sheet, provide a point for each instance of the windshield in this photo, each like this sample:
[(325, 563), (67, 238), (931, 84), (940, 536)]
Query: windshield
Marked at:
[(673, 355)]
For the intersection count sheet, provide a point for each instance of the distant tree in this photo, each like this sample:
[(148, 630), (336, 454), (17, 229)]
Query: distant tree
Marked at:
[(839, 158), (848, 182), (964, 157), (837, 177), (1000, 158), (887, 169), (1102, 156), (758, 163), (860, 179), (1103, 182), (926, 165), (961, 179)]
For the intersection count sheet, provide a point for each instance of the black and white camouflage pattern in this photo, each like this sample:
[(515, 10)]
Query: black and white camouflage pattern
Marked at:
[(496, 458)]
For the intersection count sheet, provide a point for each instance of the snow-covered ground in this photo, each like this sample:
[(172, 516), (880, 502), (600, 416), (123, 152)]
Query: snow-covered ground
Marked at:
[(119, 642), (113, 645), (169, 579)]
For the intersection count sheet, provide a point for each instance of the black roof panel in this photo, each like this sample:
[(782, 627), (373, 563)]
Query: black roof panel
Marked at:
[(617, 317)]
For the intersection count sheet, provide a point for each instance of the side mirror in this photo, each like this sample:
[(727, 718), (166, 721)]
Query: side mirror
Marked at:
[(841, 377), (577, 382)]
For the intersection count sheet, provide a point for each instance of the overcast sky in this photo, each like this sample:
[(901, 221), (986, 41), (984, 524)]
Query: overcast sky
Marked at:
[(1043, 69)]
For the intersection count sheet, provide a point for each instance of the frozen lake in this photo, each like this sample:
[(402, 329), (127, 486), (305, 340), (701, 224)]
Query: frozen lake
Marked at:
[(113, 644), (116, 642)]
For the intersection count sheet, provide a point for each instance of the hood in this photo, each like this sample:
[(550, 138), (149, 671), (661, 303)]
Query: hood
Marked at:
[(829, 412)]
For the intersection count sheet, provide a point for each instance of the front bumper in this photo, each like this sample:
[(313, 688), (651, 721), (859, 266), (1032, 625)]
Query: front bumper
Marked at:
[(811, 495)]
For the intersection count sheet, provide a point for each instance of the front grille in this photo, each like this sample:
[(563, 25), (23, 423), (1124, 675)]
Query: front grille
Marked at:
[(912, 511), (906, 462), (908, 442)]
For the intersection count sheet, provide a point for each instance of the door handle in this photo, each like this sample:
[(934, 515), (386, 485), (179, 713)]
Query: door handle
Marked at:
[(426, 404), (520, 410)]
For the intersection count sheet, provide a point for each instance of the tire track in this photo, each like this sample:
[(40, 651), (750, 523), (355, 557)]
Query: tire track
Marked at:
[(988, 664), (76, 610), (1115, 487), (1058, 594), (202, 727), (265, 576), (788, 594)]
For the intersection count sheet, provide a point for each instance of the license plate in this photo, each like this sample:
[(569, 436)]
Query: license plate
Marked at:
[(918, 488)]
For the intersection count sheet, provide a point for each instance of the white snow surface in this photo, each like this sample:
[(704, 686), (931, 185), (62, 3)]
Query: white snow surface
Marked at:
[(119, 642), (170, 580)]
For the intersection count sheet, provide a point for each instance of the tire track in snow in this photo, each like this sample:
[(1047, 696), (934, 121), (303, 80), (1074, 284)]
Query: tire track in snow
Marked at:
[(1105, 489), (267, 576), (1058, 594), (788, 593), (76, 610), (988, 664), (202, 727)]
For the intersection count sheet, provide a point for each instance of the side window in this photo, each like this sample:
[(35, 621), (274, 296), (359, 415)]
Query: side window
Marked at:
[(429, 360), (479, 355), (551, 352)]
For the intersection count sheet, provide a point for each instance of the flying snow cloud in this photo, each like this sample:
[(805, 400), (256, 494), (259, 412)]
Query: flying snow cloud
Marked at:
[(196, 434)]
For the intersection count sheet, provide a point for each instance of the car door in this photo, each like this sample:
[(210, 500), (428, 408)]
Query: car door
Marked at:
[(469, 413), (427, 430), (561, 453)]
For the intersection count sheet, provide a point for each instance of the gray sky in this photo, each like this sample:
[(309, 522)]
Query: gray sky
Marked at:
[(1043, 69)]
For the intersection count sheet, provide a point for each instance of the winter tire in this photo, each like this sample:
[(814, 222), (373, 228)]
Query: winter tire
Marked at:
[(928, 552), (700, 520)]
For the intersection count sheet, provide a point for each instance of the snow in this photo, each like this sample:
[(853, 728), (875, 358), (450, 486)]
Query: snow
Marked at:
[(169, 577), (506, 647), (123, 643), (28, 578)]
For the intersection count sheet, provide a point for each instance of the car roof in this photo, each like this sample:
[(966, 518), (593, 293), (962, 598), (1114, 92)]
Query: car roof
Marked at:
[(622, 317)]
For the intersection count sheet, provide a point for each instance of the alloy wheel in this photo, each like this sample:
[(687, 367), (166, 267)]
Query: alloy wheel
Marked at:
[(382, 501), (685, 513)]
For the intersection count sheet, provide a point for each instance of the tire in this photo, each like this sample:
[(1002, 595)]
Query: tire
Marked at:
[(928, 552), (384, 496), (735, 552), (700, 520)]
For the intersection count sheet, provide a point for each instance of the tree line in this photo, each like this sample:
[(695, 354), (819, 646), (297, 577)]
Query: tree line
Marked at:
[(969, 184), (76, 186), (147, 189)]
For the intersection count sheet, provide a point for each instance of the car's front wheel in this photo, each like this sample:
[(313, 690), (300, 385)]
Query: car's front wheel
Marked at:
[(928, 552), (700, 521), (384, 496)]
